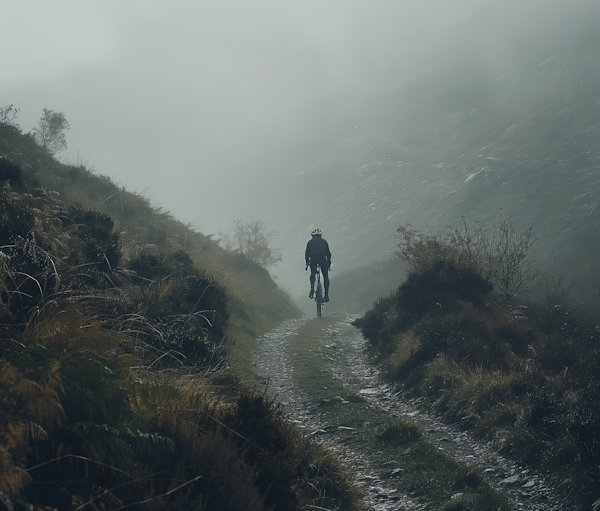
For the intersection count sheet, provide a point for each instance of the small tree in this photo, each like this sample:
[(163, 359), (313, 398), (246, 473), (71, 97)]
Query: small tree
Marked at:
[(252, 240), (50, 131), (8, 114)]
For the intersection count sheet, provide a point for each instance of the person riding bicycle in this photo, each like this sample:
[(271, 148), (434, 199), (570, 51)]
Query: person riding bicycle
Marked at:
[(317, 253)]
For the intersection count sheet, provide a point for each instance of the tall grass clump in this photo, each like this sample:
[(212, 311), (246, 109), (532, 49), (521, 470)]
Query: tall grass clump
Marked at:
[(477, 331)]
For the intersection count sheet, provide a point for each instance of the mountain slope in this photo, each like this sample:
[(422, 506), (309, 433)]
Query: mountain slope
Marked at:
[(457, 140)]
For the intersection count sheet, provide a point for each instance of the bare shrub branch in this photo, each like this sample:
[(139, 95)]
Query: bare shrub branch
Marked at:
[(511, 257), (502, 253), (8, 114), (252, 240)]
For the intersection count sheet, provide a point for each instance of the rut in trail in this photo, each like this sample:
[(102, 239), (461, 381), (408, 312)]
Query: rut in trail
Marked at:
[(321, 406)]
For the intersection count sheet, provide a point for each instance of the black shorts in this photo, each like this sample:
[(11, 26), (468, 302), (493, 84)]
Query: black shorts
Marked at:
[(321, 260)]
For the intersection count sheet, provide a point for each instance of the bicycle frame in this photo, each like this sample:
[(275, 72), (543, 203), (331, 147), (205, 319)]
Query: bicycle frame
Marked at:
[(319, 293)]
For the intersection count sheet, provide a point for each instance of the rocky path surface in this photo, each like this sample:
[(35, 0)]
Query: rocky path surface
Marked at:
[(342, 347)]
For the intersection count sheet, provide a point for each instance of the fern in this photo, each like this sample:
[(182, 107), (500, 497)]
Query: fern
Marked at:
[(149, 446), (28, 400), (12, 478), (93, 391), (27, 411), (102, 445)]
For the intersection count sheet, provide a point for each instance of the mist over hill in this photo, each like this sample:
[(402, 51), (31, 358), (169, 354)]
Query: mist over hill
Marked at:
[(467, 137), (355, 117)]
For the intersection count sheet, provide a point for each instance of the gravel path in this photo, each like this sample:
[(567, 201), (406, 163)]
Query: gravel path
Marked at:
[(345, 353)]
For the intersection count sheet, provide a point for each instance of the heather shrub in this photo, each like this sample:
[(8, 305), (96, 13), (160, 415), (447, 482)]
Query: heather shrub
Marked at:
[(175, 309), (444, 288), (99, 242), (437, 291), (11, 173)]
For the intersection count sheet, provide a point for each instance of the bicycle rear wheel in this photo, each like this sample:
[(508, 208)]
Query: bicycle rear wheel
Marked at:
[(319, 299)]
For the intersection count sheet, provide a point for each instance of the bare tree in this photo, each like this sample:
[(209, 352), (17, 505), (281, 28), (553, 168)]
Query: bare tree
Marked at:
[(50, 131), (500, 252), (512, 261), (252, 240)]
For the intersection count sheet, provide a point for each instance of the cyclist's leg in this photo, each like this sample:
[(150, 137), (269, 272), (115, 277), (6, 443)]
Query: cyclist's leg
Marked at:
[(313, 274), (325, 272)]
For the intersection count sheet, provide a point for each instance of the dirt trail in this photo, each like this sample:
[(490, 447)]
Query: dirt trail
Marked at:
[(286, 354)]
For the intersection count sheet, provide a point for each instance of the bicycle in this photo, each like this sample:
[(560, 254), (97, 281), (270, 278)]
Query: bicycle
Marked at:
[(319, 293)]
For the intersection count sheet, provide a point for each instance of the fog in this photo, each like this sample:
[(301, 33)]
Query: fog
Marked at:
[(196, 103)]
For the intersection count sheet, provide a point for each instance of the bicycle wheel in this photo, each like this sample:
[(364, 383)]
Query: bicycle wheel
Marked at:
[(319, 299)]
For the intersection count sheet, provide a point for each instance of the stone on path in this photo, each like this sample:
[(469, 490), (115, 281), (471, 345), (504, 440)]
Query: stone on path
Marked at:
[(510, 480)]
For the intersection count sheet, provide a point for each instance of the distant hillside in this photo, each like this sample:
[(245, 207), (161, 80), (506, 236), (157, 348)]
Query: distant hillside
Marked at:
[(456, 140), (357, 288)]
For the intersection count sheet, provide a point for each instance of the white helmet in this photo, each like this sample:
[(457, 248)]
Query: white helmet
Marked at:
[(316, 232)]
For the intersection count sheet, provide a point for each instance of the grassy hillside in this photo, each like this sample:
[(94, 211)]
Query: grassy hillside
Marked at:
[(146, 229), (117, 327), (518, 370)]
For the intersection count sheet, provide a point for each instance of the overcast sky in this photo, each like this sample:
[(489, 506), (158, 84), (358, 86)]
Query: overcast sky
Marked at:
[(160, 94)]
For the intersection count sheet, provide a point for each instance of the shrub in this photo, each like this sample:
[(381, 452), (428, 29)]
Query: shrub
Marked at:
[(439, 290), (252, 240), (100, 243), (49, 133), (176, 308), (11, 173), (48, 250), (444, 287), (501, 253), (8, 114)]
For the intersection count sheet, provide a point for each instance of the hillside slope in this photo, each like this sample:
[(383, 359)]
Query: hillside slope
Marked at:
[(146, 229), (114, 352), (465, 137)]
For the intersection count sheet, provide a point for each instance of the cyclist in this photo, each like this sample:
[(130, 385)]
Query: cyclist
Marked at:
[(317, 253)]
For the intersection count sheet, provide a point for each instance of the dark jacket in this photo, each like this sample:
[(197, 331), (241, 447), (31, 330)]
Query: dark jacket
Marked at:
[(317, 247)]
